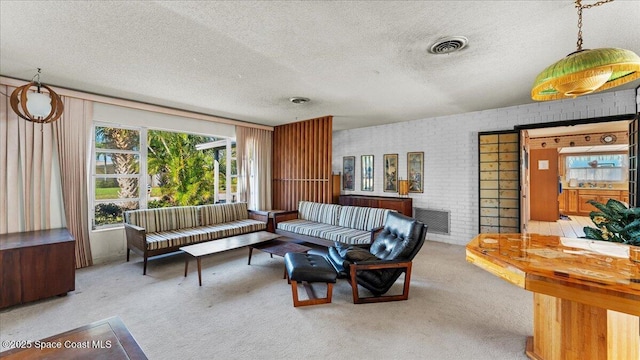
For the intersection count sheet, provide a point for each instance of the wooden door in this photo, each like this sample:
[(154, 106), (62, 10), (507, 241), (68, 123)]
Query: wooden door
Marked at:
[(544, 185), (524, 182)]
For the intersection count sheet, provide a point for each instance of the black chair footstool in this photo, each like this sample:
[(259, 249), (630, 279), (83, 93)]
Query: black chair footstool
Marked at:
[(306, 269)]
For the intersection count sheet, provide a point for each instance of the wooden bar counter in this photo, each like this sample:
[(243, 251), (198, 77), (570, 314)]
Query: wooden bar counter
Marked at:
[(586, 292)]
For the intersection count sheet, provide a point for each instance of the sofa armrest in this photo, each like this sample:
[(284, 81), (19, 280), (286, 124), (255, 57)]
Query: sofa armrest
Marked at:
[(259, 215), (136, 236), (284, 216)]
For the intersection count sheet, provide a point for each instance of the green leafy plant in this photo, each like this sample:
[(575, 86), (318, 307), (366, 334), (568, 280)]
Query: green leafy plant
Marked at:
[(614, 222)]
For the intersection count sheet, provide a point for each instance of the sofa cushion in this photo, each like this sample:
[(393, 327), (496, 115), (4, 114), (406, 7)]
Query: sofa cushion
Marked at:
[(326, 231), (167, 239), (163, 219), (181, 237), (319, 212), (222, 213), (348, 236), (362, 218), (232, 228)]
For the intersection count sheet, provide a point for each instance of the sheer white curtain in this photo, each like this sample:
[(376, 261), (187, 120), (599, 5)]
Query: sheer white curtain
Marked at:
[(26, 151), (254, 153)]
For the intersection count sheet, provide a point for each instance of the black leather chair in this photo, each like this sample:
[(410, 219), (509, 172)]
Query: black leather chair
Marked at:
[(378, 266)]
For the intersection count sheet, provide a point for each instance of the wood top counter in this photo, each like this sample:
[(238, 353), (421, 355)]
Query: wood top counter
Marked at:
[(592, 272)]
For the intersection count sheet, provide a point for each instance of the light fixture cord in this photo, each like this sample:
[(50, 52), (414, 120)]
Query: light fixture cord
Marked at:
[(36, 78), (580, 7)]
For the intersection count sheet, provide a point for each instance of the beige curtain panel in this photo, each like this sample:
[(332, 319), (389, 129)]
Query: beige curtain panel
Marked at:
[(253, 152), (27, 154), (26, 151), (73, 134)]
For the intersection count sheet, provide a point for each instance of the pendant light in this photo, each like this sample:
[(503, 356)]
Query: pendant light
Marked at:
[(34, 104), (585, 71)]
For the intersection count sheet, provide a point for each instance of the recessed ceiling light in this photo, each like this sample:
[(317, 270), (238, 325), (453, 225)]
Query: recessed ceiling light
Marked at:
[(449, 44), (299, 100)]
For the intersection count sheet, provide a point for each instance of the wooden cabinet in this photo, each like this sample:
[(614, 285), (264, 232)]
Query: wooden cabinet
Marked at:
[(572, 201), (401, 205), (577, 199), (36, 265)]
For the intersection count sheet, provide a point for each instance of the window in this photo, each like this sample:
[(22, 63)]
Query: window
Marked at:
[(597, 167), (116, 173), (174, 169)]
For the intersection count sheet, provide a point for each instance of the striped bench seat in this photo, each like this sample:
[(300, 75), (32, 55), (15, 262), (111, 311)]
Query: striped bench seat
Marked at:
[(325, 224), (152, 232)]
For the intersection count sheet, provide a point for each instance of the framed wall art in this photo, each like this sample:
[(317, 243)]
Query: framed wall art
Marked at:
[(367, 173), (390, 166), (415, 171), (348, 172)]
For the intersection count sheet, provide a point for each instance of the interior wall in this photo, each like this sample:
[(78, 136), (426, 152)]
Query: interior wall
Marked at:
[(450, 146)]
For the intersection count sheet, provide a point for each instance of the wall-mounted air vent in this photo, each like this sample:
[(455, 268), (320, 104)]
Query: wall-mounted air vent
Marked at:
[(439, 221)]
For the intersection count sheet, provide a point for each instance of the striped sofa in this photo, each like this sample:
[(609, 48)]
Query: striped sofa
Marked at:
[(152, 232), (324, 224)]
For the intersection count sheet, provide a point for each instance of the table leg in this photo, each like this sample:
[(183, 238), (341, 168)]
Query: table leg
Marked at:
[(186, 264), (199, 271), (250, 252)]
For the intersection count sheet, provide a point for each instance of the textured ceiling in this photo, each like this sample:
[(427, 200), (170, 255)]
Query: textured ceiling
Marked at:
[(365, 63)]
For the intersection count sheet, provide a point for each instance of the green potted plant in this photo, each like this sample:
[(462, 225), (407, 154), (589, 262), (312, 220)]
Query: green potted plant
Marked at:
[(614, 222)]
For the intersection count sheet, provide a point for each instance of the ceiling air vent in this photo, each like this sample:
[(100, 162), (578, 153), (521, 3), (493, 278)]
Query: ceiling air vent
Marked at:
[(449, 44), (299, 100)]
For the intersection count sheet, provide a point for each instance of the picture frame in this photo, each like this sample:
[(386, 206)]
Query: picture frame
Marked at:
[(366, 173), (390, 167), (348, 172), (415, 171)]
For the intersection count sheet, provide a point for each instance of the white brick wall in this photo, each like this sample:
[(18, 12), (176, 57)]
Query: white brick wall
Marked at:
[(450, 145)]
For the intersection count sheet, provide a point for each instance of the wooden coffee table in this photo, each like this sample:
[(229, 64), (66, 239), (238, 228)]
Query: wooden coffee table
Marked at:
[(201, 250), (278, 247)]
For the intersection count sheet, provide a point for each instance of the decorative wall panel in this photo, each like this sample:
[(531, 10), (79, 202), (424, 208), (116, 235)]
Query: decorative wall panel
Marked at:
[(302, 163), (499, 182)]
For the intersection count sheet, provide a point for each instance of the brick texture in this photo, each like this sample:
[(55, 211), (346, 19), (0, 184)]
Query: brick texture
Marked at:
[(450, 145)]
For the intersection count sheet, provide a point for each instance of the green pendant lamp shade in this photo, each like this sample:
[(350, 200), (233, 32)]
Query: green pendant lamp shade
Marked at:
[(586, 71)]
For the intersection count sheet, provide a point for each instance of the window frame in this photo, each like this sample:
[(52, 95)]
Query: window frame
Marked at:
[(624, 170), (141, 176)]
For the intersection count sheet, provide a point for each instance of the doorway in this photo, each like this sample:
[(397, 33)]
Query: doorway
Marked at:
[(568, 165)]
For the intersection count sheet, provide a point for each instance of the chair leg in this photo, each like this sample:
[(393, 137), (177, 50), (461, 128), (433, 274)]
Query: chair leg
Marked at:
[(381, 298), (312, 300), (144, 269), (128, 251)]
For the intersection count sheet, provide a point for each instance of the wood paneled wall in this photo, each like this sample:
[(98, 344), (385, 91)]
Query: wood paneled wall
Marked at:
[(302, 163)]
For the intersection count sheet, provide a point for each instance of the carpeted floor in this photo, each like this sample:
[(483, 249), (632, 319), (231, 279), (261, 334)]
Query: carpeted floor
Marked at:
[(455, 311)]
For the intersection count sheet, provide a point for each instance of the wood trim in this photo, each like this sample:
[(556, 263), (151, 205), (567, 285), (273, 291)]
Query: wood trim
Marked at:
[(138, 105), (552, 142)]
